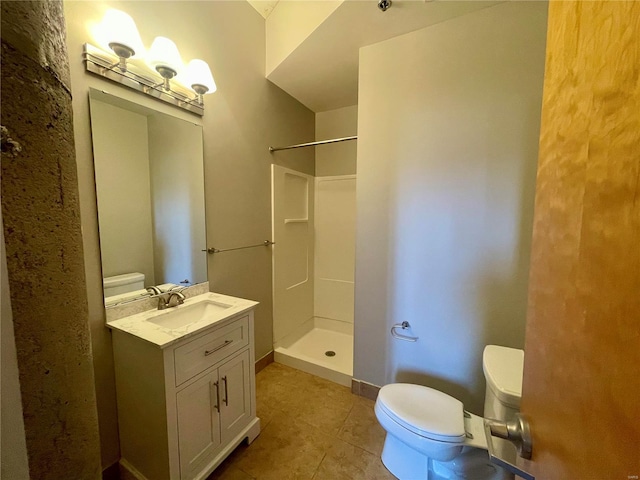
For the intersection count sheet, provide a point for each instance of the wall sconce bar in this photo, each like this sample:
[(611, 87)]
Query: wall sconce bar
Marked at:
[(105, 65)]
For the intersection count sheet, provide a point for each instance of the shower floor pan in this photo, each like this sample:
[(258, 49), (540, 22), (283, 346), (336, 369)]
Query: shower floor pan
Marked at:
[(308, 352)]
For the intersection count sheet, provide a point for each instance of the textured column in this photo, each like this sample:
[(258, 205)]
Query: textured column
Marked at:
[(44, 245)]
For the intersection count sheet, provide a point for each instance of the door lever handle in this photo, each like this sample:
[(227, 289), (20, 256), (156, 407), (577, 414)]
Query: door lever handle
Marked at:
[(516, 431)]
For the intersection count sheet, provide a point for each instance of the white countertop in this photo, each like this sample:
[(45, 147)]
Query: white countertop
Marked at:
[(140, 326)]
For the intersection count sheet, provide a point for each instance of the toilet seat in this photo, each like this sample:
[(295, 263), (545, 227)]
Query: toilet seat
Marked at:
[(424, 411)]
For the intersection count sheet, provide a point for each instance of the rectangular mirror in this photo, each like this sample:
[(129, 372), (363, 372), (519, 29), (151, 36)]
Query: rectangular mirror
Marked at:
[(150, 193)]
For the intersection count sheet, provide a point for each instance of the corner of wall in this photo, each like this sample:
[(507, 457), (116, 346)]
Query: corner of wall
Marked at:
[(289, 24)]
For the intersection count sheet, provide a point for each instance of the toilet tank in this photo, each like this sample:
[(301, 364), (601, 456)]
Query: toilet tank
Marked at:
[(125, 283), (503, 369)]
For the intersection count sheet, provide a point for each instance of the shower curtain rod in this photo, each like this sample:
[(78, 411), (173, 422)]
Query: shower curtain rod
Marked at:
[(313, 144)]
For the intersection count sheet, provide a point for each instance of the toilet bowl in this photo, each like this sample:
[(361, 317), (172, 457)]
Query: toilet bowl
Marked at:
[(123, 287), (125, 283), (429, 434)]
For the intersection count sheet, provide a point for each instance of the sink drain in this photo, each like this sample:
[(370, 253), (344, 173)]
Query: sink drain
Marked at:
[(330, 353)]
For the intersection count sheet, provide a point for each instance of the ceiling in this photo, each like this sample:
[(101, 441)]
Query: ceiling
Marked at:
[(322, 72), (263, 7)]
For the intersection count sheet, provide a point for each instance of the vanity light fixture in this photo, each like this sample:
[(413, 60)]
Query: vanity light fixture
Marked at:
[(165, 58), (200, 78), (119, 32), (119, 29)]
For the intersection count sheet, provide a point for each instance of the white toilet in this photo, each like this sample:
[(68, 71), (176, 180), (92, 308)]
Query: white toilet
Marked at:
[(431, 437), (122, 287)]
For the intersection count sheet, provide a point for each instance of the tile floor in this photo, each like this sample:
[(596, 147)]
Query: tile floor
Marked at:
[(311, 429)]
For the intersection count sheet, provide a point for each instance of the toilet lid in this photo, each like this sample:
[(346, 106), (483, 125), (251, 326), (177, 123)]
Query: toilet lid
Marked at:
[(424, 411)]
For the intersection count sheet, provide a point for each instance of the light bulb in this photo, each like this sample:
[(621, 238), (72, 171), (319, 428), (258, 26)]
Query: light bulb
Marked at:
[(199, 77), (120, 32), (164, 54)]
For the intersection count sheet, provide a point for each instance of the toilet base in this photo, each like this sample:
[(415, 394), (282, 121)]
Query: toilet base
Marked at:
[(471, 464), (403, 461), (408, 464)]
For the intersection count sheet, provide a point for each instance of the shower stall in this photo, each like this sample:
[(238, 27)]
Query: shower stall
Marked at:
[(313, 221)]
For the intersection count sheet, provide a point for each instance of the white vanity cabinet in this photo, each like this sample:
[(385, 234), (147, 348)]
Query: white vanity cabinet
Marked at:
[(211, 412), (183, 407)]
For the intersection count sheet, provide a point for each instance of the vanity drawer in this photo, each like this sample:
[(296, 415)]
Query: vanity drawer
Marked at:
[(208, 349)]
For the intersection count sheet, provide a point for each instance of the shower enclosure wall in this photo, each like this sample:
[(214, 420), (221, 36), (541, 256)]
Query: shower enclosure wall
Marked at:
[(313, 272)]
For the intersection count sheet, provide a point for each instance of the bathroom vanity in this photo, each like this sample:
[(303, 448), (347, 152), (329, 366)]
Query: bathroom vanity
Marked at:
[(185, 383)]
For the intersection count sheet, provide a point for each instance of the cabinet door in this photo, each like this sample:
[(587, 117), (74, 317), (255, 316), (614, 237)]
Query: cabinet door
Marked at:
[(235, 401), (198, 423)]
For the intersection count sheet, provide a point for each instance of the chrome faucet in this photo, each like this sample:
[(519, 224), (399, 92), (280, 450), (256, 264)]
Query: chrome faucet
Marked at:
[(153, 290), (170, 299)]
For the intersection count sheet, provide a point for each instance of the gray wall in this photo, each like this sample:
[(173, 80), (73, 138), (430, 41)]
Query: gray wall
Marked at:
[(336, 158), (448, 126), (244, 117)]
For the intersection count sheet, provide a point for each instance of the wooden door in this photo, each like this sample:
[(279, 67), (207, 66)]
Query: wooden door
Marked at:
[(235, 402), (198, 424), (581, 387)]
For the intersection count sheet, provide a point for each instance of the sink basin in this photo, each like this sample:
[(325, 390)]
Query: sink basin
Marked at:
[(186, 315), (166, 327)]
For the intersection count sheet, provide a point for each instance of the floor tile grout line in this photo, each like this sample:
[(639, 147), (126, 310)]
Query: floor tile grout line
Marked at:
[(309, 425), (345, 420), (318, 467), (358, 446), (347, 441), (246, 473)]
